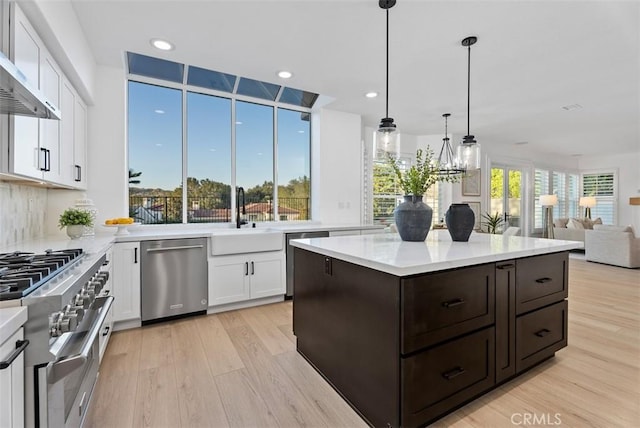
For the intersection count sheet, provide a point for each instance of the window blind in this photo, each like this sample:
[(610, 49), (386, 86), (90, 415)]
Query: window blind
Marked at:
[(602, 186)]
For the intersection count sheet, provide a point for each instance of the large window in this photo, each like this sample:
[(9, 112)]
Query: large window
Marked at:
[(213, 134), (208, 158), (602, 186), (155, 153), (562, 184)]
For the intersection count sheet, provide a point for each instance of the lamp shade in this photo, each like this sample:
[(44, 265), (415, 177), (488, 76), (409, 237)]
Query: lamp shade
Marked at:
[(587, 201), (386, 141), (468, 156), (548, 200)]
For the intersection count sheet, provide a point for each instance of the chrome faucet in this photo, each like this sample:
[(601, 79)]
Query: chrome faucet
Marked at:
[(240, 221)]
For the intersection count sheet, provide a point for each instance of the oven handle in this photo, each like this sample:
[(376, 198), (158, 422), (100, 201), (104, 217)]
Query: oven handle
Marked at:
[(60, 369)]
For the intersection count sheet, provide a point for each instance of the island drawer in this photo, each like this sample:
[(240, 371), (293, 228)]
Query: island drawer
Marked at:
[(440, 378), (540, 334), (438, 306), (541, 281)]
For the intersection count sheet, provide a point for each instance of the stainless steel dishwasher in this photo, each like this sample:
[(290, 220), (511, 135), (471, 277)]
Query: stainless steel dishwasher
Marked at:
[(174, 278)]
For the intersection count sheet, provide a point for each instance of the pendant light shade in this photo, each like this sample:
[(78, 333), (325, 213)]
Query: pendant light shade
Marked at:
[(468, 153), (387, 137), (448, 164)]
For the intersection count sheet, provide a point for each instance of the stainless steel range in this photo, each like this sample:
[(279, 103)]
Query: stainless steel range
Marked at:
[(67, 293)]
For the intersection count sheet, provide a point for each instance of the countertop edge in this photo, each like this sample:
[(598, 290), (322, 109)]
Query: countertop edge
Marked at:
[(435, 266), (11, 319)]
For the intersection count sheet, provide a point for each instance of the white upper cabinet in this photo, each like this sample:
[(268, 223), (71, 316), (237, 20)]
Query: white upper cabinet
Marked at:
[(44, 149)]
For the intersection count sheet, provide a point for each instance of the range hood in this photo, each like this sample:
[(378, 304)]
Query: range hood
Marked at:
[(18, 97)]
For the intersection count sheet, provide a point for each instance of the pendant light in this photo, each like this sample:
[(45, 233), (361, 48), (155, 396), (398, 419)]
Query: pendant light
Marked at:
[(387, 138), (447, 162), (469, 150)]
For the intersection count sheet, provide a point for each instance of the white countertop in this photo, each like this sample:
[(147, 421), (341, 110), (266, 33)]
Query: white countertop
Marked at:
[(89, 245), (388, 253), (11, 319)]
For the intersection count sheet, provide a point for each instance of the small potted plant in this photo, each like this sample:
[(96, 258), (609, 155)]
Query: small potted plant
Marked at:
[(493, 222), (75, 220)]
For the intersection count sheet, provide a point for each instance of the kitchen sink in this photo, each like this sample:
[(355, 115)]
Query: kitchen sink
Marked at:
[(239, 241)]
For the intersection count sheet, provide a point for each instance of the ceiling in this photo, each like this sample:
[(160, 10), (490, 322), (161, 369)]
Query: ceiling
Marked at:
[(532, 59)]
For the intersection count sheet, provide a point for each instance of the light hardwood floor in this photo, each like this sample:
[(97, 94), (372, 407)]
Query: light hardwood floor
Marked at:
[(240, 369)]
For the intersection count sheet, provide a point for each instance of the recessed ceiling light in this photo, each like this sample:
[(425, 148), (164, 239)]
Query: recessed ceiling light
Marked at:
[(238, 122), (284, 74), (521, 143), (159, 111), (163, 45), (301, 132), (371, 94), (576, 155), (158, 144)]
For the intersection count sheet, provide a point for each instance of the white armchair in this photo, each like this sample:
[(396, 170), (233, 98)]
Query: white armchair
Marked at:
[(614, 245)]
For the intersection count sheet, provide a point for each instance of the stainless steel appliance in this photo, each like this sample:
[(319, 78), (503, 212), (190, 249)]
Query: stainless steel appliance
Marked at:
[(67, 295), (174, 278), (290, 256)]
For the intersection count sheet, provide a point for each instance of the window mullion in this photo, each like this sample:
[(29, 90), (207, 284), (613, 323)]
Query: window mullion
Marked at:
[(276, 216)]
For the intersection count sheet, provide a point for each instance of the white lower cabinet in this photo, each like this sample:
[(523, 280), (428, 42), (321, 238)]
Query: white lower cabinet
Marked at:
[(126, 281), (12, 385), (241, 277)]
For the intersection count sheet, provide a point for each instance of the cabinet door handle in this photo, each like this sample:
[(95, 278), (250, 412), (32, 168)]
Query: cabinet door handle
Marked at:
[(452, 303), (253, 270), (543, 280), (48, 160), (135, 255), (452, 374), (542, 333), (106, 330), (506, 266), (78, 173), (21, 345), (42, 160), (246, 268)]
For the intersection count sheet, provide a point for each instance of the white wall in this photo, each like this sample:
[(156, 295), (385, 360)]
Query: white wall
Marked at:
[(107, 151), (628, 166), (336, 167)]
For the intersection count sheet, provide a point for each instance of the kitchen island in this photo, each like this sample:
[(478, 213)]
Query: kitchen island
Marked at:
[(408, 331)]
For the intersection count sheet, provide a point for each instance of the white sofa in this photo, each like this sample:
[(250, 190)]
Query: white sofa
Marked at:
[(613, 245), (572, 229)]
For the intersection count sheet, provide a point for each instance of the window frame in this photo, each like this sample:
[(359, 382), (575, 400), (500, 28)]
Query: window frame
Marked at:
[(186, 88)]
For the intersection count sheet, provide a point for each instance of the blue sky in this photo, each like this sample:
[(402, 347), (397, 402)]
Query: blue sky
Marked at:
[(155, 139)]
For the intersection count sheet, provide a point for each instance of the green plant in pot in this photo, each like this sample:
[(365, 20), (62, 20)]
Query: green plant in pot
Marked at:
[(493, 221), (413, 217), (75, 220)]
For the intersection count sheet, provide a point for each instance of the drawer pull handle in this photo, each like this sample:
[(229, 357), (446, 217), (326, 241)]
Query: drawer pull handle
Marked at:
[(506, 266), (452, 303), (543, 280), (21, 345), (452, 374), (542, 333)]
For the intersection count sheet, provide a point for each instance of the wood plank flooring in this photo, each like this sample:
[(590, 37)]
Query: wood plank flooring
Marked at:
[(240, 369)]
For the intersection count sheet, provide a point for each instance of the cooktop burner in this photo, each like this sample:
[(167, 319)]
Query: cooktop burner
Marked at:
[(21, 273)]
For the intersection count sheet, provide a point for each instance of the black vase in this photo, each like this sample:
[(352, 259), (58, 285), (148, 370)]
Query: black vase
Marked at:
[(413, 219), (460, 220)]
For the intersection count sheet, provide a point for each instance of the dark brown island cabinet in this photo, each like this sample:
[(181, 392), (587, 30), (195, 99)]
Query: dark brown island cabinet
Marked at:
[(406, 350)]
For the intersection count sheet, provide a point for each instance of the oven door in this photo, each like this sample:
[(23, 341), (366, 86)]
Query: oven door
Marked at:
[(67, 383)]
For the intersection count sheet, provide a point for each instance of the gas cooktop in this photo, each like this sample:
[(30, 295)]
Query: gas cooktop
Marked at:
[(21, 273)]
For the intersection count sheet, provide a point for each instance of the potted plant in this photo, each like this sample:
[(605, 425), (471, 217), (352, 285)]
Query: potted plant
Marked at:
[(75, 221), (413, 217), (493, 222)]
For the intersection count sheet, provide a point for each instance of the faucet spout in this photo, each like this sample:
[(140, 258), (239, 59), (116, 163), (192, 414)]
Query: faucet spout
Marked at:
[(239, 220)]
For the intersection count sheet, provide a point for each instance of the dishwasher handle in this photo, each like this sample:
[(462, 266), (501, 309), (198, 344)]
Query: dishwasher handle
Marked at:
[(182, 247)]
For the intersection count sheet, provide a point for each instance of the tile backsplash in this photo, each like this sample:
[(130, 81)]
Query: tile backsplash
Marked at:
[(22, 212)]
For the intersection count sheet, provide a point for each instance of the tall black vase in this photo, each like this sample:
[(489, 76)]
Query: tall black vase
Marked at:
[(460, 220), (413, 219)]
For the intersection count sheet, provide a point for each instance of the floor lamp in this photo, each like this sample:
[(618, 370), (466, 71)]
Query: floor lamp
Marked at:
[(547, 202), (587, 202)]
